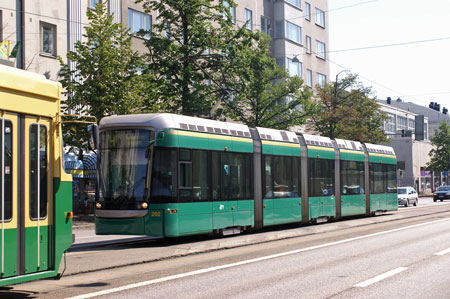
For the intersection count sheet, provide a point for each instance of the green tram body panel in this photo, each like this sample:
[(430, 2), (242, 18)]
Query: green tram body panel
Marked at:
[(189, 219), (322, 206), (10, 253), (321, 152), (383, 202), (384, 159), (282, 210), (206, 141), (280, 148), (353, 205), (352, 156), (54, 241)]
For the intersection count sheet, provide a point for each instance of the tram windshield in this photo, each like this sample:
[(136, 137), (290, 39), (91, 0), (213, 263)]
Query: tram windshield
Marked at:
[(123, 168)]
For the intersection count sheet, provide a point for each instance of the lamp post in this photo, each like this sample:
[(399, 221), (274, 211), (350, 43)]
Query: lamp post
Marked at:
[(336, 82)]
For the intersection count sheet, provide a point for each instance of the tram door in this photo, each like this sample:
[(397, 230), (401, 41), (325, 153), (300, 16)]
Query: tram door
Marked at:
[(36, 205)]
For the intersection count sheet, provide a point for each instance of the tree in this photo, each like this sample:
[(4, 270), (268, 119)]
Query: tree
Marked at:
[(106, 79), (263, 94), (191, 50), (347, 111), (440, 154)]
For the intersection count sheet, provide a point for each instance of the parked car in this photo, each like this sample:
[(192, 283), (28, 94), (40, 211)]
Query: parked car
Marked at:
[(443, 192), (407, 196)]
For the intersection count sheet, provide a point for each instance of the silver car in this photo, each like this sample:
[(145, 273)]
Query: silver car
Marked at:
[(407, 196)]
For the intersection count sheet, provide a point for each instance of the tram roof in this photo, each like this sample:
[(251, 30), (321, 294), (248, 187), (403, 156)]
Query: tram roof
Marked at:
[(349, 145), (277, 135), (379, 149), (314, 140), (162, 121), (28, 82)]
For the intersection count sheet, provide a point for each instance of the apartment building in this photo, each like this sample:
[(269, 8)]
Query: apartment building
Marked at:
[(49, 28), (46, 29), (298, 28)]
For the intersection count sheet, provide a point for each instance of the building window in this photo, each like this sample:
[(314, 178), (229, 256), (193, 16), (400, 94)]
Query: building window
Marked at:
[(308, 44), (296, 3), (320, 17), (411, 124), (48, 39), (293, 32), (248, 19), (390, 124), (93, 3), (402, 123), (266, 26), (138, 21), (320, 50), (307, 11), (321, 79), (232, 16), (294, 68), (309, 78)]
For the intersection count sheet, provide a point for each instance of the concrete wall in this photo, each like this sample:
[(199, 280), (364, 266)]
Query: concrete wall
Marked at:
[(415, 156)]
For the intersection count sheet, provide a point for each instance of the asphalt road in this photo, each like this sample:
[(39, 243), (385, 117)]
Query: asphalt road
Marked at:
[(321, 261)]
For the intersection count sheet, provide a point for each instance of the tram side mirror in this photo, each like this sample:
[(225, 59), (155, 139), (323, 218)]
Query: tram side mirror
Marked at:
[(93, 137)]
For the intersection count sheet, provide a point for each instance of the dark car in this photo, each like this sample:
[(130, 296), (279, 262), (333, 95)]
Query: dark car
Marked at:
[(442, 193)]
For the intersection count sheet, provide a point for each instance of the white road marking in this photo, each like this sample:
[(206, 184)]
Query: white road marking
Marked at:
[(207, 270), (443, 252), (380, 277)]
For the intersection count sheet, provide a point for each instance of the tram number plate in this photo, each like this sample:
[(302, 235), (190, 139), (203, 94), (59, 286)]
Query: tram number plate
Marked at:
[(156, 214)]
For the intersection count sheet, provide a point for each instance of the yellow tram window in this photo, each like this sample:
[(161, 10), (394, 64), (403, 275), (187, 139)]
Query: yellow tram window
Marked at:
[(35, 168), (6, 152)]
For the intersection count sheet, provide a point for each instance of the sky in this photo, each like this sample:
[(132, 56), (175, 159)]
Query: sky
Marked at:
[(415, 72)]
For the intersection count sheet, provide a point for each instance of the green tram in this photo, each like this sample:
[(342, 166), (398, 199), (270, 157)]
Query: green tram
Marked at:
[(172, 175)]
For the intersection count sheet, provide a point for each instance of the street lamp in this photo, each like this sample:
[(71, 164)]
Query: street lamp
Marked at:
[(295, 59), (336, 82)]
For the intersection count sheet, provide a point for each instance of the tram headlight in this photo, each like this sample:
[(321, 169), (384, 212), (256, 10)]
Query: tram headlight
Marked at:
[(98, 205), (144, 205)]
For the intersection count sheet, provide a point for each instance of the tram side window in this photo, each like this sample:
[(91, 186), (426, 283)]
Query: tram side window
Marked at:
[(35, 164), (235, 176), (352, 177), (320, 177), (391, 178), (377, 181), (164, 178), (193, 175), (7, 152), (281, 176)]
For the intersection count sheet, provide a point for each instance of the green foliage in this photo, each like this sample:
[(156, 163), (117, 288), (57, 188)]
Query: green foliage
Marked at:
[(192, 47), (105, 80), (262, 93), (440, 154), (347, 111)]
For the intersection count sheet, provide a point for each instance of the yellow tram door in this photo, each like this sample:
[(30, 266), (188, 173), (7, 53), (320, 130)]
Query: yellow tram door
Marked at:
[(8, 193), (37, 193)]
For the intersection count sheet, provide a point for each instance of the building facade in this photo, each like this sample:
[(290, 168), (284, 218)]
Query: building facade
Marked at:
[(409, 128), (49, 28)]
